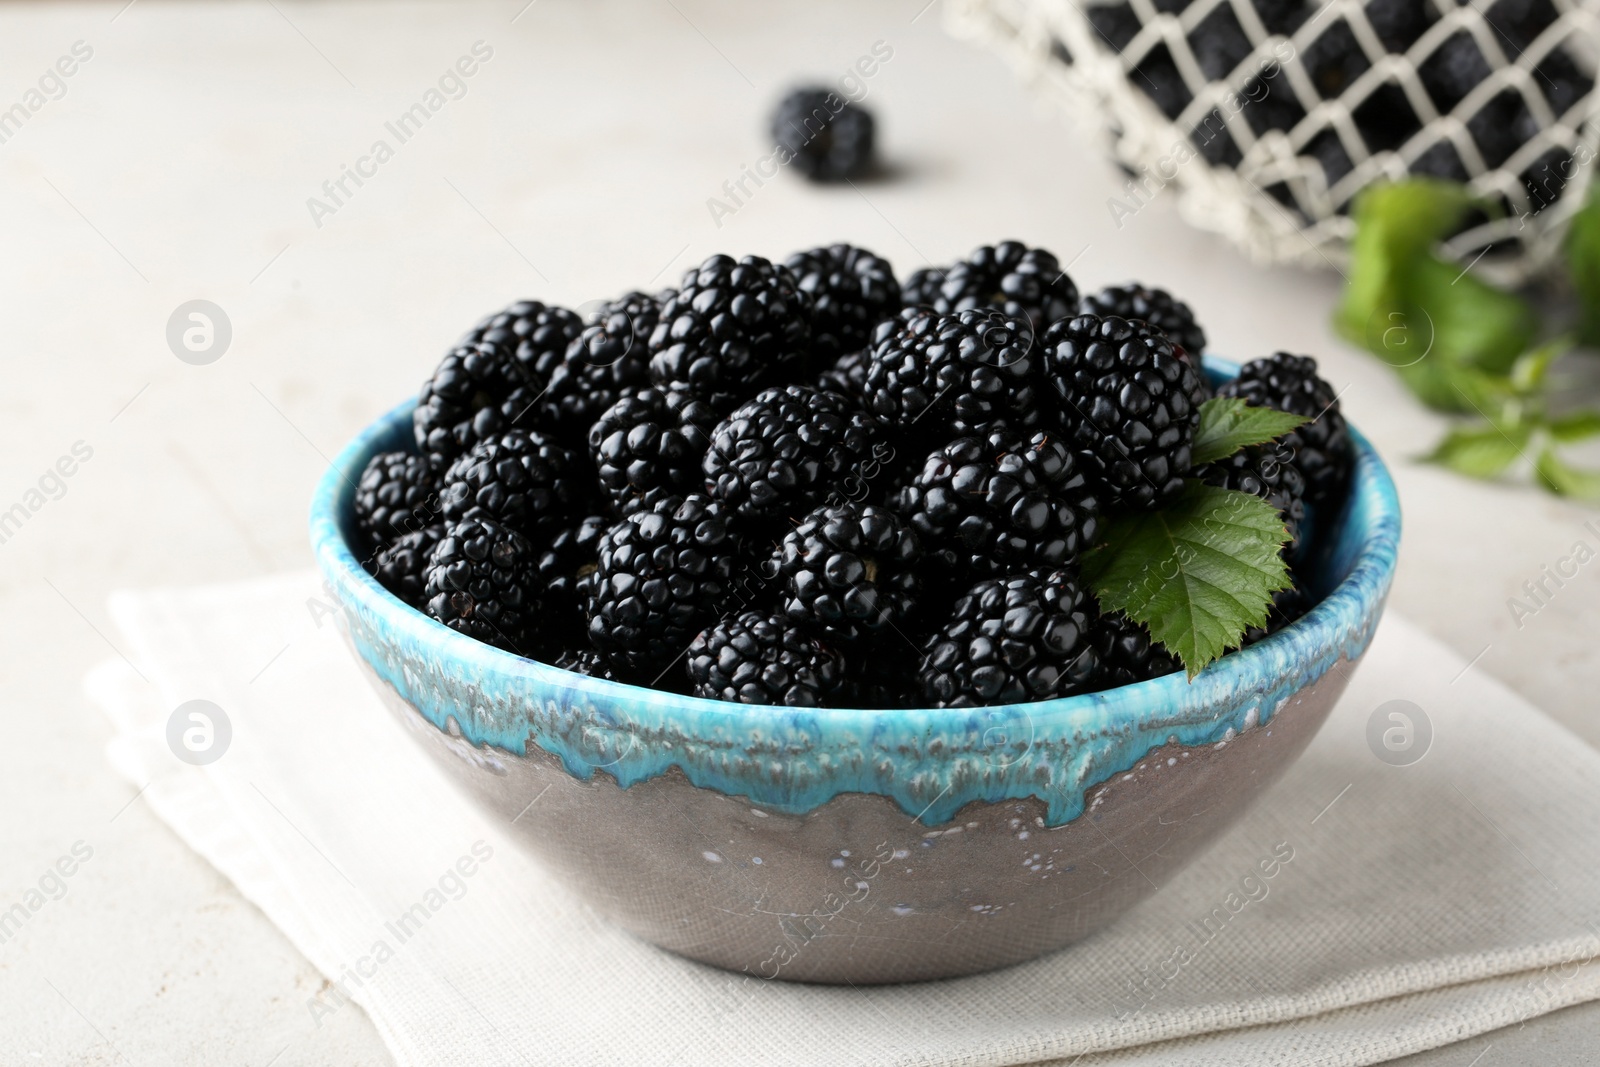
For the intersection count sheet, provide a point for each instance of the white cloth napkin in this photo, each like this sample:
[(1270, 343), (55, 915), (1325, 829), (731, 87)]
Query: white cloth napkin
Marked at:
[(1422, 904)]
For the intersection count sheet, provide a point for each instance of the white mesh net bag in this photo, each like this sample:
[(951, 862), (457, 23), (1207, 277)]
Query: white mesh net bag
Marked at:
[(1267, 117)]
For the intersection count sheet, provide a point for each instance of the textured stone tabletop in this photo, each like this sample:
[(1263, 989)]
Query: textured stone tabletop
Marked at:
[(189, 155)]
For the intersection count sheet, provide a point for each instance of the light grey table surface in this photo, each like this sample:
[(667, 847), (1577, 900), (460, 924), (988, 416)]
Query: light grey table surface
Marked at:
[(176, 163)]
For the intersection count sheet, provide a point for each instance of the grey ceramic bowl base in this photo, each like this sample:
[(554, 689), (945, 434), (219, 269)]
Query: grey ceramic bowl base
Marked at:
[(858, 890)]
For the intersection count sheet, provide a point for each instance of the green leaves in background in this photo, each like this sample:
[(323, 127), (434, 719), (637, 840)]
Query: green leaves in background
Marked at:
[(1462, 345), (1198, 573), (1228, 424)]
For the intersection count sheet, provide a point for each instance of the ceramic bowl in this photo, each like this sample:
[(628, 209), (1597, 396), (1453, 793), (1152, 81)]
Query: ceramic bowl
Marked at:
[(860, 846)]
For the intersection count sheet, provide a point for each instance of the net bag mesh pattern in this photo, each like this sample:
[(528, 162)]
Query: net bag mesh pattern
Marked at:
[(1267, 117)]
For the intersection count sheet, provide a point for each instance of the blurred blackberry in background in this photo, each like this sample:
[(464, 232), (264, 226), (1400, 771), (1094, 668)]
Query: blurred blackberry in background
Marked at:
[(782, 452), (851, 291), (397, 494), (1018, 638), (1128, 398), (827, 137), (1010, 277), (522, 480), (483, 581), (733, 326), (760, 659), (401, 566), (849, 570), (932, 374), (651, 440), (1320, 448), (660, 575), (985, 506)]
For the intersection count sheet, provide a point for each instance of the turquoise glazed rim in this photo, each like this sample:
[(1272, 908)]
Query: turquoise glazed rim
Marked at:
[(929, 761)]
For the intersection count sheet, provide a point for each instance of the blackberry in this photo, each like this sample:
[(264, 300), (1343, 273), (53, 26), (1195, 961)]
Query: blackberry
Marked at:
[(462, 403), (1321, 447), (760, 659), (401, 566), (397, 494), (826, 137), (660, 575), (849, 570), (538, 336), (605, 362), (1128, 400), (1287, 606), (588, 661), (851, 291), (569, 557), (1266, 471), (732, 327), (848, 375), (1157, 307), (1010, 640), (521, 480), (991, 505), (781, 452), (881, 675), (651, 440), (1022, 282), (968, 372), (1125, 653), (483, 581)]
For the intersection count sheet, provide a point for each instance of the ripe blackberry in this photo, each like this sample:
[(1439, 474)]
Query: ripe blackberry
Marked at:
[(851, 291), (483, 581), (462, 403), (397, 494), (849, 571), (1157, 307), (848, 375), (1127, 399), (760, 659), (732, 327), (1124, 653), (781, 452), (401, 566), (881, 675), (539, 337), (660, 575), (649, 440), (608, 360), (570, 556), (1287, 606), (826, 137), (991, 505), (521, 480), (967, 372), (1321, 447), (590, 662), (1010, 277), (1010, 640), (1267, 471)]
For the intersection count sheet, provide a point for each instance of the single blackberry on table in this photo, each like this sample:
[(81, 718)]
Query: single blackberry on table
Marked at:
[(462, 403), (652, 439), (733, 326), (522, 480), (661, 574), (1266, 471), (1010, 277), (1125, 653), (606, 361), (1127, 399), (931, 374), (1010, 640), (397, 494), (848, 571), (826, 137), (401, 566), (991, 505), (1320, 448), (1148, 304), (782, 452), (483, 581), (755, 658), (851, 291)]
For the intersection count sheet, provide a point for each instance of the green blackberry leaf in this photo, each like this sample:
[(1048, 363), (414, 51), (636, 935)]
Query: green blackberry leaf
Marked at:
[(1578, 426), (1480, 451), (1563, 479), (1228, 424), (1583, 266), (1198, 573)]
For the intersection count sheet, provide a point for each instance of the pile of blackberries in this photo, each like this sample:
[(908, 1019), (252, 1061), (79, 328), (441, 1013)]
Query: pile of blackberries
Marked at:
[(804, 484)]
